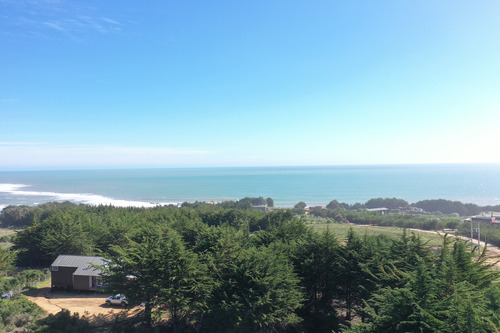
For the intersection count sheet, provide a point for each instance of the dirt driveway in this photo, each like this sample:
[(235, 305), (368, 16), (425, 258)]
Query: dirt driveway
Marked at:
[(90, 305)]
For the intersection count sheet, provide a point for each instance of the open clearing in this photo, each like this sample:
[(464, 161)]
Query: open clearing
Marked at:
[(341, 230), (90, 305), (7, 232), (433, 238)]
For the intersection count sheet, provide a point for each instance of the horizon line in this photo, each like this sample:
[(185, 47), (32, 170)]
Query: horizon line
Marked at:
[(246, 166)]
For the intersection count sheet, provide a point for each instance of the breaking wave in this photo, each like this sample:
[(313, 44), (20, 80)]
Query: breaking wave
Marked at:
[(85, 198)]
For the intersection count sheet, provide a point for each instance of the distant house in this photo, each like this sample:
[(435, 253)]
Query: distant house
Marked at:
[(76, 272), (413, 209), (316, 207), (261, 207), (483, 218), (381, 210)]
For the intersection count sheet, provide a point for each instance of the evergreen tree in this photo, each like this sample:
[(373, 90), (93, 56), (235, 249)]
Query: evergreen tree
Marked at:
[(257, 291), (355, 280), (317, 262), (158, 270)]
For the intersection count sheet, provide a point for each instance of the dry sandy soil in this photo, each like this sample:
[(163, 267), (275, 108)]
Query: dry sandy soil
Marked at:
[(90, 305)]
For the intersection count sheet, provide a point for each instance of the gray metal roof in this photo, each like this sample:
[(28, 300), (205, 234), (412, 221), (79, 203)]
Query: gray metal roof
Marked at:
[(381, 209), (83, 264)]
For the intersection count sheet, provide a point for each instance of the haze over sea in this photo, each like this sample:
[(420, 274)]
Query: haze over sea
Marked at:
[(468, 183)]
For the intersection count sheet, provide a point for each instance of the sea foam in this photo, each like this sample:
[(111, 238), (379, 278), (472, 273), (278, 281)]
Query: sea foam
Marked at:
[(85, 198)]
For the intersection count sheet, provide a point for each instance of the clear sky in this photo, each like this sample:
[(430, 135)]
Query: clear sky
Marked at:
[(103, 84)]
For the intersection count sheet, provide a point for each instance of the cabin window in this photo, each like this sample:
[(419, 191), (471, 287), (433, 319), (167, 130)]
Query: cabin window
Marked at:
[(55, 268), (98, 283)]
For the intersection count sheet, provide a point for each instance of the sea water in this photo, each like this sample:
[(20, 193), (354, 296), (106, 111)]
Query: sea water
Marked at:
[(479, 184)]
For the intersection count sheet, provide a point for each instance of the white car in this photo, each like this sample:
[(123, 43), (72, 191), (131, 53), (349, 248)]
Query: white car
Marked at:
[(118, 299)]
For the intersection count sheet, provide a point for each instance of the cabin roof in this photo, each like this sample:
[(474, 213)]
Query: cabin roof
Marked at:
[(83, 264)]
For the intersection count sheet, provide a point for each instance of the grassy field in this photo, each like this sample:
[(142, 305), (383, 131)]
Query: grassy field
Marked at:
[(341, 231), (6, 232), (42, 284)]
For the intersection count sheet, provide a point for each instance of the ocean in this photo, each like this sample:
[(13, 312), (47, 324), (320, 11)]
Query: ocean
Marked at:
[(479, 184)]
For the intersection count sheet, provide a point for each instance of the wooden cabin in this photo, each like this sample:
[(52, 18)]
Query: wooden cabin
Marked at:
[(76, 272)]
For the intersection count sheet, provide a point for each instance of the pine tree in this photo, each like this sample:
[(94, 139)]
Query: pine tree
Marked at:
[(157, 269), (317, 262)]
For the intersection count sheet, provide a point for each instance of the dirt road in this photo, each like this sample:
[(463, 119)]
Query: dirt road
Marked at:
[(492, 251), (90, 305)]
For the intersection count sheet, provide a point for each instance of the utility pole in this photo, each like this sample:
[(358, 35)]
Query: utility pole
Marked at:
[(478, 239), (472, 231), (471, 236)]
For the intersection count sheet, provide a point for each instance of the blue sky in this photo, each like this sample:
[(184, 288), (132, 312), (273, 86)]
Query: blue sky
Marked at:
[(104, 84)]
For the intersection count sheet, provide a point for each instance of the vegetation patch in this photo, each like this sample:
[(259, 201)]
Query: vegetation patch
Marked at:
[(342, 231), (229, 267)]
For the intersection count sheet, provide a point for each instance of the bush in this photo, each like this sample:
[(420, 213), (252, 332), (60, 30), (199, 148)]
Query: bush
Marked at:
[(18, 312), (62, 322)]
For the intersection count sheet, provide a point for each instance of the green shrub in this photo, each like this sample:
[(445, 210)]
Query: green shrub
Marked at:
[(61, 322), (18, 312)]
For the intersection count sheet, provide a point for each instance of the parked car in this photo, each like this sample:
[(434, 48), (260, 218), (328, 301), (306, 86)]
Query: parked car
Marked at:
[(118, 299), (7, 295)]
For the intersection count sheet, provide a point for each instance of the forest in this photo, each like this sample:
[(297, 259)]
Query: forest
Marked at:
[(230, 268)]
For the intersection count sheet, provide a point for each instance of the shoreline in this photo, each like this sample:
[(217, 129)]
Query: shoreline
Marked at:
[(97, 199), (316, 186), (78, 198)]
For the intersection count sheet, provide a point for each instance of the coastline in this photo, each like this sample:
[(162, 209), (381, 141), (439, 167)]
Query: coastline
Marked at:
[(84, 198), (316, 185)]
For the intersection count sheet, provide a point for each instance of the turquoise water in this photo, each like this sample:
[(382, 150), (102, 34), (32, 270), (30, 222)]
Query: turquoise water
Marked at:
[(478, 184)]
